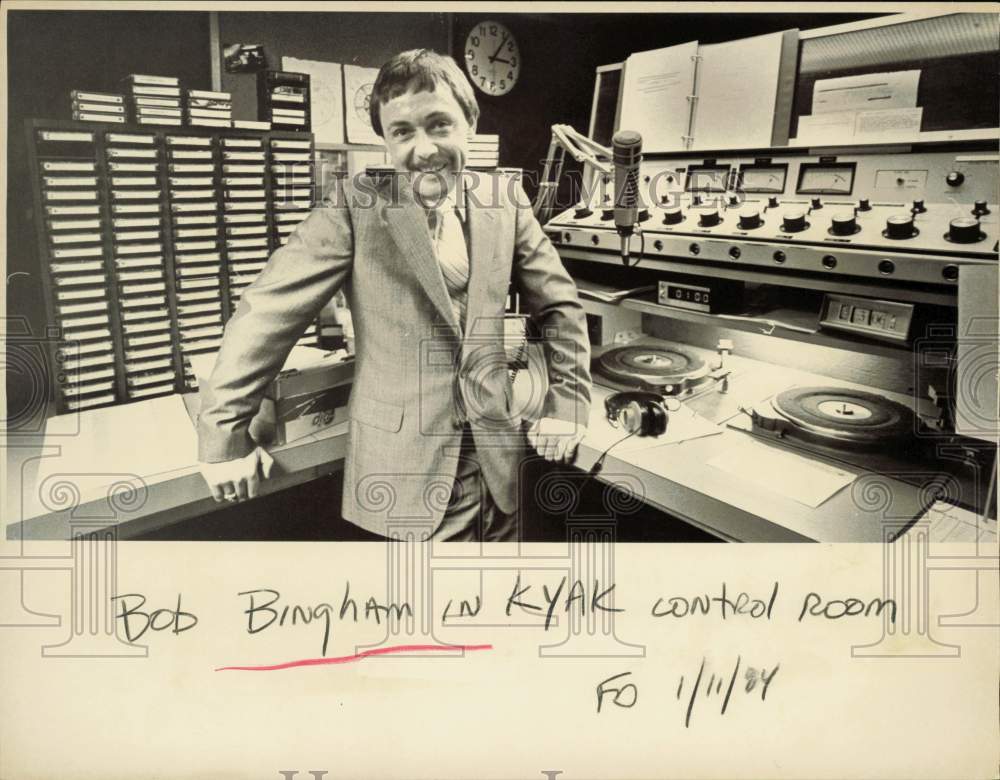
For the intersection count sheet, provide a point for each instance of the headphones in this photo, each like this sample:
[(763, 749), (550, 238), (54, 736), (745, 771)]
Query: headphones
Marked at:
[(637, 412)]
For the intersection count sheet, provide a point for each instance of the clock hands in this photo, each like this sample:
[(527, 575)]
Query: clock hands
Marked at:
[(482, 65), (502, 42)]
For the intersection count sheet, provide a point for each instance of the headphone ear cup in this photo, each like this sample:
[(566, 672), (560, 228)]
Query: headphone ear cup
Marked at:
[(640, 413), (657, 419), (632, 418)]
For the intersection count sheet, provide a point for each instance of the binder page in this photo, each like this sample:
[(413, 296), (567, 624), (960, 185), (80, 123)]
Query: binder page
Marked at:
[(655, 96), (737, 93)]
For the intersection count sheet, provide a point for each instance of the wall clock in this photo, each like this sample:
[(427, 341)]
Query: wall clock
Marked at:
[(492, 58)]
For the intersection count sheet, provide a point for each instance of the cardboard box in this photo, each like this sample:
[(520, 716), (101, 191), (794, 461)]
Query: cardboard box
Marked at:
[(309, 395), (303, 401)]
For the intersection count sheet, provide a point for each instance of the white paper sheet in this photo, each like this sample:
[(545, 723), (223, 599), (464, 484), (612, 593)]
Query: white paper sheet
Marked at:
[(894, 124), (655, 98), (890, 124), (326, 97), (786, 473), (737, 92), (825, 129), (358, 84), (872, 91)]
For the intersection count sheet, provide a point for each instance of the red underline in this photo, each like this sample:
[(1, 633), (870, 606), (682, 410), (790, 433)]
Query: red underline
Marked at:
[(345, 659)]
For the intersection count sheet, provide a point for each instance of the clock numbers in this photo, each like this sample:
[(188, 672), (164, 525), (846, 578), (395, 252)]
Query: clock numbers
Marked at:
[(492, 59)]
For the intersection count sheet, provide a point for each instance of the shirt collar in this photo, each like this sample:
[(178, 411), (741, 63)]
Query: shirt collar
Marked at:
[(455, 201)]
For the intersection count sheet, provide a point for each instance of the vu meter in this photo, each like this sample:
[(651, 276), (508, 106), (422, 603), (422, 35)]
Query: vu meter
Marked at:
[(707, 178), (826, 179), (763, 178)]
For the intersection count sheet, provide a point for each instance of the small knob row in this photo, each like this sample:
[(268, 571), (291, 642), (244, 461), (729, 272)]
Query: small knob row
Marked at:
[(963, 230)]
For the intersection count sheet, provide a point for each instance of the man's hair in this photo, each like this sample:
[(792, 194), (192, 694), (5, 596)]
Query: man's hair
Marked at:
[(420, 70)]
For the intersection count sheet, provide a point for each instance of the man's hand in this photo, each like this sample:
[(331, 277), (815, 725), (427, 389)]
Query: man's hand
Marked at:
[(556, 439), (237, 480)]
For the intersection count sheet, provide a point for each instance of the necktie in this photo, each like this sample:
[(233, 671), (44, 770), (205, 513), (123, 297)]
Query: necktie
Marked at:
[(453, 257)]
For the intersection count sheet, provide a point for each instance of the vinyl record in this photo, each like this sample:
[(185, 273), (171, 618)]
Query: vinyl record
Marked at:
[(845, 415), (653, 367)]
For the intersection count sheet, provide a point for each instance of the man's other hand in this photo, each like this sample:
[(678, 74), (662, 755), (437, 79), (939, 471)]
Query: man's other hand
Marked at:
[(237, 480), (555, 439)]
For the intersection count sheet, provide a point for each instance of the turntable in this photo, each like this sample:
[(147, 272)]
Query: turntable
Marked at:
[(838, 418), (670, 370), (865, 430)]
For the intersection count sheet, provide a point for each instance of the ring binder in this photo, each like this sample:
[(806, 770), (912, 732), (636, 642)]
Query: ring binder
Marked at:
[(688, 93)]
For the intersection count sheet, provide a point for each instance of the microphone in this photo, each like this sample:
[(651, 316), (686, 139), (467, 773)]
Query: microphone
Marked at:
[(626, 154)]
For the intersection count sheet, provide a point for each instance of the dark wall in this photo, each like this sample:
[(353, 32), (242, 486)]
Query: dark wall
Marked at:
[(560, 53), (366, 39), (51, 53)]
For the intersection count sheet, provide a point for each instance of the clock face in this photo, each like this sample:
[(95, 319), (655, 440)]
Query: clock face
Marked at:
[(492, 58)]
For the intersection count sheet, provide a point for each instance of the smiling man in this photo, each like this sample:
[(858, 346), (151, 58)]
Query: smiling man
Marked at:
[(426, 258)]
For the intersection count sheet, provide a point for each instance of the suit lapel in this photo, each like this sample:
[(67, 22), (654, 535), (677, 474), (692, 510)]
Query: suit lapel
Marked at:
[(407, 223), (481, 214)]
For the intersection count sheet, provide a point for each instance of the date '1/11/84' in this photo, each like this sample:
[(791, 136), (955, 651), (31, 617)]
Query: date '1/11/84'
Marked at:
[(708, 687)]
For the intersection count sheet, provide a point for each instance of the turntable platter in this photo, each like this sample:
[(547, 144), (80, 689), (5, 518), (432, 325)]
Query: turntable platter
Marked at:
[(845, 415), (667, 369)]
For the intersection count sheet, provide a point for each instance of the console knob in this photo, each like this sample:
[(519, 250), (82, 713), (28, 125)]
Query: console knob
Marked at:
[(918, 207), (817, 204), (673, 216), (607, 214), (954, 179), (734, 200), (643, 215), (696, 200), (899, 226), (843, 223), (749, 218), (980, 208), (708, 218), (964, 230), (864, 205), (772, 202), (582, 212), (793, 221)]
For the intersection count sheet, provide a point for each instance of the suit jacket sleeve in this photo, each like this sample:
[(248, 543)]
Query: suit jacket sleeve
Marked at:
[(274, 311), (548, 293)]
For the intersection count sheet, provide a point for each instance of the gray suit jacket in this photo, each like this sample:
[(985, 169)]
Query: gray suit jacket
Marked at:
[(417, 377)]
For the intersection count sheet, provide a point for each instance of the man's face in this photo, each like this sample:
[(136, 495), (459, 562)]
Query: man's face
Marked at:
[(427, 136)]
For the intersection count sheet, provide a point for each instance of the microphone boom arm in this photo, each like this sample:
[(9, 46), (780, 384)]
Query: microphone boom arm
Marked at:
[(583, 149)]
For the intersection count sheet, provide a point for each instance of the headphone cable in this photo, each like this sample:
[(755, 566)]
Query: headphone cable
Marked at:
[(599, 463)]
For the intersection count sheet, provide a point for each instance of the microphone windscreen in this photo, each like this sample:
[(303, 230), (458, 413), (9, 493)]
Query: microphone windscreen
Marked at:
[(625, 145)]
